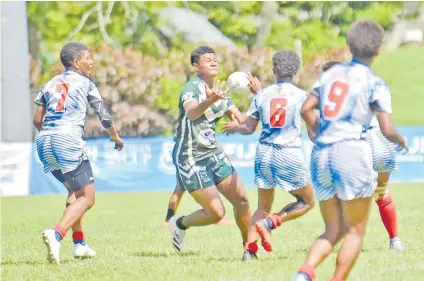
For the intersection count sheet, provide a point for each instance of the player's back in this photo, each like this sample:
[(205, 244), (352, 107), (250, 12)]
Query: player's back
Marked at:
[(66, 99), (346, 92), (278, 107)]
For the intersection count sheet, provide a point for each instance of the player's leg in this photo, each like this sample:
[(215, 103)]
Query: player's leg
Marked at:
[(81, 182), (387, 209), (80, 247), (212, 212), (384, 162), (331, 212), (291, 175), (265, 200), (173, 203), (353, 164), (77, 232), (355, 215), (232, 189), (231, 186), (202, 188), (305, 201), (266, 192)]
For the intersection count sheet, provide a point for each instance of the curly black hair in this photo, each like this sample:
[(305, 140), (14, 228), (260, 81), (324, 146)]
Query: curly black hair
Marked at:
[(198, 52)]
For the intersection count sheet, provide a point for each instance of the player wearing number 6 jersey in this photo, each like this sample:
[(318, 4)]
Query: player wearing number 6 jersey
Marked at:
[(347, 96), (279, 156), (60, 118)]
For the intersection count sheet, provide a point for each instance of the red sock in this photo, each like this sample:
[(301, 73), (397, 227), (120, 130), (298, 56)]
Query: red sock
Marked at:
[(59, 229), (78, 236), (309, 270), (388, 214), (276, 220), (252, 247)]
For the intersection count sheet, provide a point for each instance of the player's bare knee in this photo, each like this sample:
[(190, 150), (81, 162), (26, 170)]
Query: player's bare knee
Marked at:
[(334, 236), (357, 229), (243, 202), (333, 233), (216, 214)]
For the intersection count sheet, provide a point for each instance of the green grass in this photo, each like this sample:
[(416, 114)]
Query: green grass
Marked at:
[(403, 70), (126, 231)]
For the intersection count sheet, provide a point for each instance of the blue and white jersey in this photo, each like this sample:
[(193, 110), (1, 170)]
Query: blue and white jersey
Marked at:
[(278, 107), (66, 98), (348, 94), (374, 122)]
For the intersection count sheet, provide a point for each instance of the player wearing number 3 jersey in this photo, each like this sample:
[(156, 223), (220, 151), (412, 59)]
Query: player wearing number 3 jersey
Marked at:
[(60, 118), (279, 156)]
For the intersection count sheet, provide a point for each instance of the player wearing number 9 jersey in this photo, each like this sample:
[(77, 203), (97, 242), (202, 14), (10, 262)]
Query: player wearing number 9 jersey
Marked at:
[(279, 156), (347, 96), (60, 117), (384, 162)]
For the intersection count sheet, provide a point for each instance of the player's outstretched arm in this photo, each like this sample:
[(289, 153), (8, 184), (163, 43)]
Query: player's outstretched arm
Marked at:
[(235, 115), (194, 109), (96, 103), (245, 129), (39, 116), (308, 113), (388, 129), (114, 137)]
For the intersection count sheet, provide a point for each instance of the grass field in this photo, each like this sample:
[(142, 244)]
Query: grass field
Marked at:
[(403, 71), (126, 231)]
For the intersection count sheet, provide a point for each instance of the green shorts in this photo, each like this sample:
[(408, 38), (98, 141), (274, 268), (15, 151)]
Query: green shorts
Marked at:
[(204, 173)]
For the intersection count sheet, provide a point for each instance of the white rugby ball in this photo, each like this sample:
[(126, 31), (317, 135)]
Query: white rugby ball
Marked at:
[(238, 82)]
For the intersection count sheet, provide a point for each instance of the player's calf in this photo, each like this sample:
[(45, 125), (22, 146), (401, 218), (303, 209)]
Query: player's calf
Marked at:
[(304, 203), (265, 200)]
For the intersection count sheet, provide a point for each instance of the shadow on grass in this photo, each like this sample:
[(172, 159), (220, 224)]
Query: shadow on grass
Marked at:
[(145, 254)]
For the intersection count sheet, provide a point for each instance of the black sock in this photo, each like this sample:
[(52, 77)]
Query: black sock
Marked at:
[(180, 223), (169, 214)]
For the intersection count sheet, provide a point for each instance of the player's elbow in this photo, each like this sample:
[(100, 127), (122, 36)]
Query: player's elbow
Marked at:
[(106, 123), (250, 131), (192, 116)]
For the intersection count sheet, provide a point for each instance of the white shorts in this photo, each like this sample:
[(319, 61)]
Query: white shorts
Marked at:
[(383, 151), (60, 152), (343, 169), (282, 166)]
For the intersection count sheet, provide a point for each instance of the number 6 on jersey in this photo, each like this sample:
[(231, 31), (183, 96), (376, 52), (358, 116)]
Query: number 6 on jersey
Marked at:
[(278, 112)]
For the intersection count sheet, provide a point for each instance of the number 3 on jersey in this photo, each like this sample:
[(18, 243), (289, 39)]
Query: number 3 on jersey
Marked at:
[(278, 112), (62, 90), (336, 97)]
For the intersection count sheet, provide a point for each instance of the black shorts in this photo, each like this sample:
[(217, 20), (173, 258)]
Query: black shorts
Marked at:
[(78, 178)]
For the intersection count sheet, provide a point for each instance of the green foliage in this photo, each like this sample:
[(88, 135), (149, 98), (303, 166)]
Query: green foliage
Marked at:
[(140, 71)]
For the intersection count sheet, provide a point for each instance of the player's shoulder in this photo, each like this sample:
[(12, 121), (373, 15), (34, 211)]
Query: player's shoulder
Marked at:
[(192, 85), (375, 80), (268, 89), (298, 91)]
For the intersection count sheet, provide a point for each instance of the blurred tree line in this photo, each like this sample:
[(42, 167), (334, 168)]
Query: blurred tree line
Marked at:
[(140, 70)]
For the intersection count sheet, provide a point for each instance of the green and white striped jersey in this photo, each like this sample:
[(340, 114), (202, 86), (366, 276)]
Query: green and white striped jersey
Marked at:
[(195, 140)]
